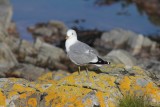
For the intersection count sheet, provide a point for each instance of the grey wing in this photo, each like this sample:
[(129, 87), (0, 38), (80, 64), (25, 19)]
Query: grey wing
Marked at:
[(81, 53)]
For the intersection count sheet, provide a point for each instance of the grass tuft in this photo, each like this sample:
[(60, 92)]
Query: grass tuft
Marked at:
[(135, 101)]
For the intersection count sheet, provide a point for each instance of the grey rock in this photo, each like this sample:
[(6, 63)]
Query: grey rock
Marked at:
[(26, 48), (43, 31), (141, 82), (121, 56), (27, 71), (7, 58), (118, 37), (5, 13), (59, 75), (60, 26), (12, 42), (152, 66), (52, 32), (49, 51), (147, 42), (136, 42), (92, 96)]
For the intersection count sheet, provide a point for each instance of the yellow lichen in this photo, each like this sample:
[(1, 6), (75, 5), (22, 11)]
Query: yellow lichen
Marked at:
[(138, 70), (111, 104), (2, 99), (20, 88), (46, 76), (11, 94), (32, 102), (125, 84), (88, 102)]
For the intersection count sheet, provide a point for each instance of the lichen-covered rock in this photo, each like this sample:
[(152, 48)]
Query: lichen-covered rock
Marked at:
[(103, 89)]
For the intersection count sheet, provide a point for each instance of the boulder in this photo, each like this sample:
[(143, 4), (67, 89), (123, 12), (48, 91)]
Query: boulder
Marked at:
[(5, 13), (52, 32), (26, 71), (121, 56), (51, 51), (117, 37), (153, 68), (7, 58), (99, 89), (135, 43)]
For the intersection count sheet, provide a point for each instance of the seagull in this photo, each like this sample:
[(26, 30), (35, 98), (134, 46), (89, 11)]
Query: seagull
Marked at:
[(80, 53)]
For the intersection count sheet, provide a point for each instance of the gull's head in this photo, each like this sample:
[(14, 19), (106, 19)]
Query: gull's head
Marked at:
[(71, 34)]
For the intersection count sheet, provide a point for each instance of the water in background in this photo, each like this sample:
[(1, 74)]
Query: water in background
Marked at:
[(84, 14)]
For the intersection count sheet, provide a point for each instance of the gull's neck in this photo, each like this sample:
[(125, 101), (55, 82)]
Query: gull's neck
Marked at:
[(69, 42)]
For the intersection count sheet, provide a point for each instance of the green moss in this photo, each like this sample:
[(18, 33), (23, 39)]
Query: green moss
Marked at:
[(135, 101)]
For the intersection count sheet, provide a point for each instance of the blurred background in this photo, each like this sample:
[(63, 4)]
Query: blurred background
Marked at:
[(32, 34), (141, 16)]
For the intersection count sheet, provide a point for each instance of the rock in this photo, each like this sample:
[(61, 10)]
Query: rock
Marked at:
[(135, 42), (26, 48), (12, 30), (60, 26), (52, 32), (43, 31), (59, 74), (147, 42), (5, 13), (26, 71), (117, 37), (7, 58), (49, 51), (121, 56), (74, 90), (153, 68), (13, 43)]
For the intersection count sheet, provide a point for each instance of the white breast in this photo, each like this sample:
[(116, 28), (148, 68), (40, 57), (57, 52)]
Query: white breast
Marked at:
[(70, 42)]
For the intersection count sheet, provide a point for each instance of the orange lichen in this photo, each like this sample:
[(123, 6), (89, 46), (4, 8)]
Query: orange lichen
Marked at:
[(49, 97), (125, 84), (32, 102), (150, 89), (101, 99), (23, 96), (2, 99)]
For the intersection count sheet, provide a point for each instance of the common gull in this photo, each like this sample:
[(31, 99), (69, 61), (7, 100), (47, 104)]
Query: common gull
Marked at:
[(80, 53)]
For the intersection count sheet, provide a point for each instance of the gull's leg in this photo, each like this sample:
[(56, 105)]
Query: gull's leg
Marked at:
[(87, 71), (79, 69)]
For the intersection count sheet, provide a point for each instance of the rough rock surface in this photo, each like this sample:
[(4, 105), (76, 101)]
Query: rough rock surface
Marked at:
[(26, 71), (120, 56), (78, 90), (125, 39), (5, 13), (52, 32), (7, 58)]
